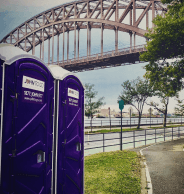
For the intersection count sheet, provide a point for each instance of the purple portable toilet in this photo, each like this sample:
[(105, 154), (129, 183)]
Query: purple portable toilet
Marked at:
[(27, 93), (68, 132)]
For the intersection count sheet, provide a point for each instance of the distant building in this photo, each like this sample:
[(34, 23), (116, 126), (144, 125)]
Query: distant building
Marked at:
[(105, 113)]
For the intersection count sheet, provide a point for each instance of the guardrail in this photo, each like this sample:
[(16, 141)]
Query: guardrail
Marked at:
[(144, 121), (165, 132)]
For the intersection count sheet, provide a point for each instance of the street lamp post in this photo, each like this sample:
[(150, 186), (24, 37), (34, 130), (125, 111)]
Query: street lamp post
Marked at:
[(150, 117), (121, 106), (110, 117), (130, 110)]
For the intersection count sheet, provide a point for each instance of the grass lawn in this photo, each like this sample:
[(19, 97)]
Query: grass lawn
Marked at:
[(128, 129), (112, 130), (116, 172)]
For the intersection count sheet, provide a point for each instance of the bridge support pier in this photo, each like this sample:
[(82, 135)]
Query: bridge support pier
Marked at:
[(147, 20), (49, 47), (134, 40), (40, 50), (153, 12), (33, 50), (116, 38), (78, 40), (102, 28), (67, 45), (131, 39), (52, 43), (74, 40), (63, 43), (58, 47), (89, 40), (42, 44)]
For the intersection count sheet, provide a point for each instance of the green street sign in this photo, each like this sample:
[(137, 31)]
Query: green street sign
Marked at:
[(121, 104)]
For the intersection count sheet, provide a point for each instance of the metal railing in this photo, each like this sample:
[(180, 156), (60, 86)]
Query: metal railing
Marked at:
[(144, 121), (99, 56), (165, 132)]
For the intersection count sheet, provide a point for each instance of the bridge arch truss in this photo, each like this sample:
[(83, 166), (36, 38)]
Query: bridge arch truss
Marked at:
[(85, 14)]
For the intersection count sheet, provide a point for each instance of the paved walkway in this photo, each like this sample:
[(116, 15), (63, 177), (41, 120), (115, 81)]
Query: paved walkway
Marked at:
[(165, 163)]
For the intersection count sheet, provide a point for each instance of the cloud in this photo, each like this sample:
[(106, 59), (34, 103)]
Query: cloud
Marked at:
[(35, 3), (16, 5)]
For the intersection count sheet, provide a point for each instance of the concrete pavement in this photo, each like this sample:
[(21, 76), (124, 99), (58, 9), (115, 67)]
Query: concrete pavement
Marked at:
[(165, 163)]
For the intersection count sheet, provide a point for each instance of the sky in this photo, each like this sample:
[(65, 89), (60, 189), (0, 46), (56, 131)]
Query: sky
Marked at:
[(107, 81)]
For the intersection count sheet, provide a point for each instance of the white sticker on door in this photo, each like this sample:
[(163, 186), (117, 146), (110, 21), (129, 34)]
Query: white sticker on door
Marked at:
[(34, 84), (73, 93)]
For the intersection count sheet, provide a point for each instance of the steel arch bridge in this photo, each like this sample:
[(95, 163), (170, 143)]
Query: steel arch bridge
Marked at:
[(86, 14)]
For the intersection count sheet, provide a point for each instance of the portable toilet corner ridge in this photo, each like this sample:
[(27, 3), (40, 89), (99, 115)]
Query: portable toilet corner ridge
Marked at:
[(26, 122), (68, 132)]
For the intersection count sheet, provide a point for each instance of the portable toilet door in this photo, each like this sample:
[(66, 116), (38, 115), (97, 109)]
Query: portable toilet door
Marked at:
[(26, 123), (69, 133)]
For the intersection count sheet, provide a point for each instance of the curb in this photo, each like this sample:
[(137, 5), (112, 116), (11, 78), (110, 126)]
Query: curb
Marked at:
[(148, 178)]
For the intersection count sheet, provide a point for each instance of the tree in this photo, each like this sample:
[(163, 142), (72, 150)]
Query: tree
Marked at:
[(163, 90), (165, 101), (179, 111), (166, 41), (135, 93), (90, 105)]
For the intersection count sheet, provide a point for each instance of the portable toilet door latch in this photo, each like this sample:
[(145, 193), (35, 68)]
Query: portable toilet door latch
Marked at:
[(13, 153), (14, 97), (40, 156), (78, 146)]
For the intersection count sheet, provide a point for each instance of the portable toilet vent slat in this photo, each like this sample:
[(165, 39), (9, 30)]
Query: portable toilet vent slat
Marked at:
[(69, 132), (26, 123)]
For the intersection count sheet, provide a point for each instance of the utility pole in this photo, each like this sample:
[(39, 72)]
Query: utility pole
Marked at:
[(130, 110), (110, 117)]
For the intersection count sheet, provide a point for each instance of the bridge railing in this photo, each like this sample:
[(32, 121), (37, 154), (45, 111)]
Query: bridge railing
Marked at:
[(100, 56)]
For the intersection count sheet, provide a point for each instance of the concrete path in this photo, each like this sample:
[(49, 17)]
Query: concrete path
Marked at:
[(165, 163)]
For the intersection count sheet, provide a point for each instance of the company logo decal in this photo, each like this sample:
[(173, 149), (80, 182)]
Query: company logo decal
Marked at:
[(33, 84), (73, 93), (73, 102)]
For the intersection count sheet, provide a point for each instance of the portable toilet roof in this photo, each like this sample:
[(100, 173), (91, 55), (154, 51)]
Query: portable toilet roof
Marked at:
[(60, 73), (9, 53)]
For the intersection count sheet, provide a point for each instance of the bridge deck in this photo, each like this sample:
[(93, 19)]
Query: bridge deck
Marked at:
[(107, 59)]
